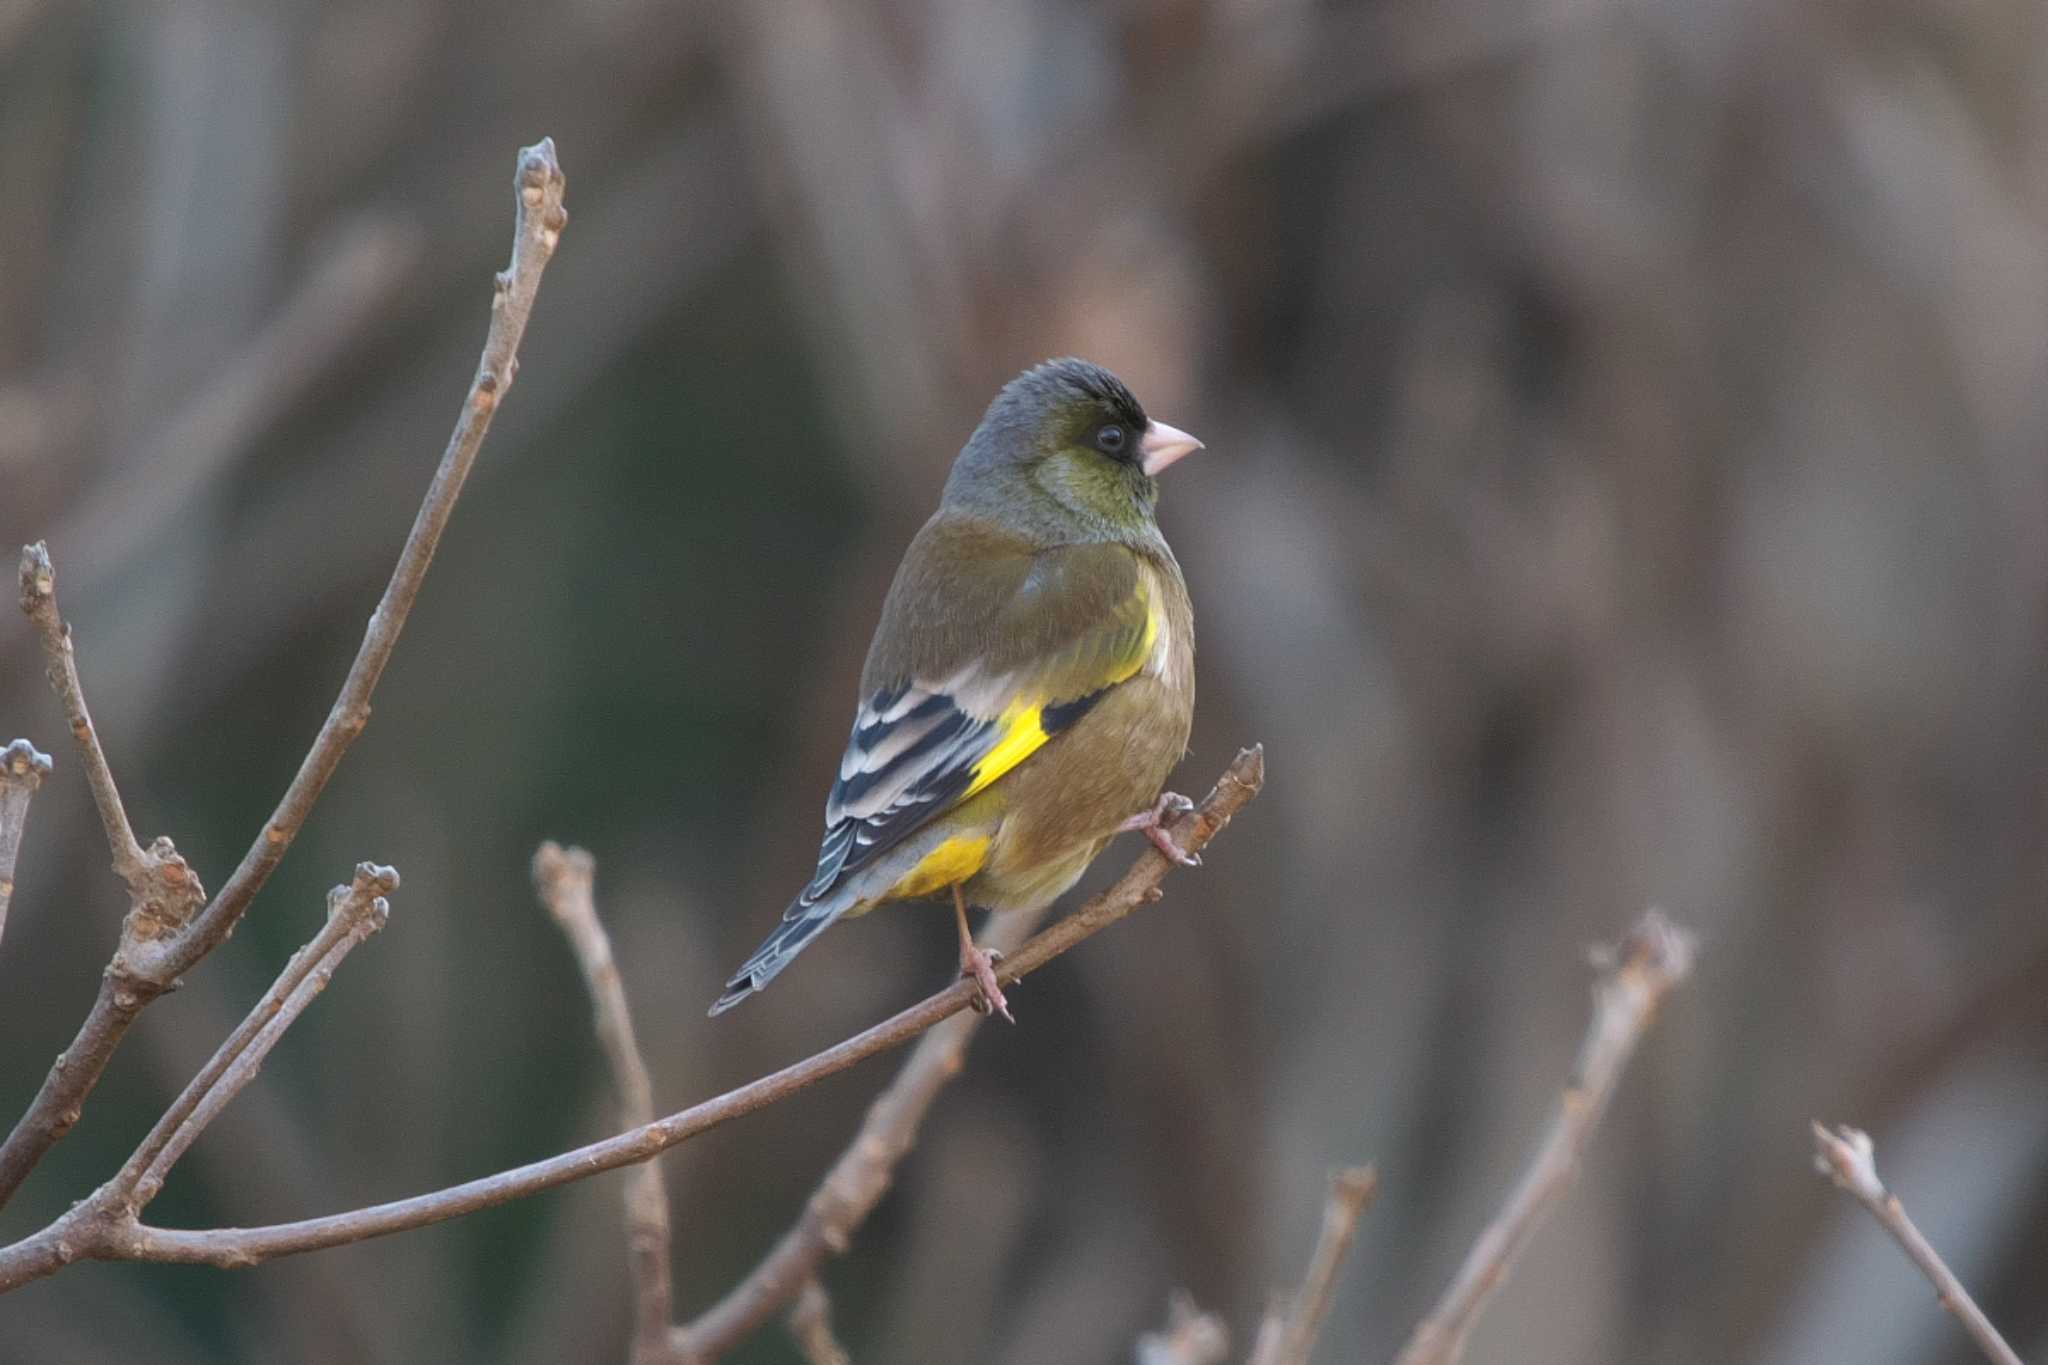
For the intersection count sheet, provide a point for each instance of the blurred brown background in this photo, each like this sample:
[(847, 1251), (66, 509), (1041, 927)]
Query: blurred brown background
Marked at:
[(1625, 483)]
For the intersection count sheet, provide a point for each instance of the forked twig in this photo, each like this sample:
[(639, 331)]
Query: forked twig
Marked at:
[(106, 1224), (354, 912), (166, 934)]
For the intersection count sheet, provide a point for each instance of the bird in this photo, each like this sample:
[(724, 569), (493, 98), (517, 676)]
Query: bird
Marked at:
[(1030, 685)]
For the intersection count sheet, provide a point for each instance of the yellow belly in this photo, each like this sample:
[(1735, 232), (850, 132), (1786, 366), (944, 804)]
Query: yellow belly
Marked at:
[(955, 860), (1062, 806)]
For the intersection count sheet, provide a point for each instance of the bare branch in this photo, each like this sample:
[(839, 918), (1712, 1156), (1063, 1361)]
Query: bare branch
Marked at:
[(108, 1217), (565, 880), (60, 665), (1192, 1337), (1849, 1158), (46, 1252), (146, 965), (856, 1182), (354, 912), (1635, 976), (163, 895), (1351, 1194), (810, 1322), (22, 770)]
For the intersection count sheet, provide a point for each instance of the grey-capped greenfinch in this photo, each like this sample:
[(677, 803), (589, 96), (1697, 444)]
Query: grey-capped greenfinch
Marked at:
[(1031, 682)]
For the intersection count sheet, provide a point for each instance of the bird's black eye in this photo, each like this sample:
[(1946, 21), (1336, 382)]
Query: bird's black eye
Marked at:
[(1112, 438)]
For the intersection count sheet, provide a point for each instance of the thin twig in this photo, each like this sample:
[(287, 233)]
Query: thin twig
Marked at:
[(1636, 974), (856, 1182), (145, 968), (1849, 1158), (565, 880), (44, 1253), (810, 1323), (1351, 1194), (1191, 1337), (60, 665), (22, 770), (354, 912)]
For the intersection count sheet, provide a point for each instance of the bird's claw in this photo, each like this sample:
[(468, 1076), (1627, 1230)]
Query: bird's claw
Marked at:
[(979, 966), (1175, 854), (1152, 823)]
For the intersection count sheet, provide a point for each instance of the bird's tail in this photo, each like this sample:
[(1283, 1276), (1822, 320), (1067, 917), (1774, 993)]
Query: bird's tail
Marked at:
[(800, 924)]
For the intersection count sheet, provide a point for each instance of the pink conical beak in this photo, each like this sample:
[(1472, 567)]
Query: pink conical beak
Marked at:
[(1161, 445)]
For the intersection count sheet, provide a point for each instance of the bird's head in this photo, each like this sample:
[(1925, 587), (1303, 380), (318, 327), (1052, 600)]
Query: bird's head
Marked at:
[(1066, 451)]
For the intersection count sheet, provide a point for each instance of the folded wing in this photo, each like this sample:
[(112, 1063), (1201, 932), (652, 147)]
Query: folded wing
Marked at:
[(922, 746)]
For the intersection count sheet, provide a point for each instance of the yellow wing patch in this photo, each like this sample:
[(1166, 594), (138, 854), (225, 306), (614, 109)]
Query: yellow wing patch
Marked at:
[(1022, 732), (955, 860), (1022, 724)]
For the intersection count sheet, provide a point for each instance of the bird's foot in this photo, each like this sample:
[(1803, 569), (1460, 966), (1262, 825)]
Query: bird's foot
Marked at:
[(1151, 822), (979, 966)]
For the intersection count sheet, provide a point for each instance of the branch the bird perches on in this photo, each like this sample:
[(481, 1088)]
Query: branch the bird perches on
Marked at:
[(106, 1226)]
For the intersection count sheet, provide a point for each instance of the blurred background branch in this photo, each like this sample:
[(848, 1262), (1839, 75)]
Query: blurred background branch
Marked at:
[(1287, 1337), (1635, 976), (349, 289), (566, 881)]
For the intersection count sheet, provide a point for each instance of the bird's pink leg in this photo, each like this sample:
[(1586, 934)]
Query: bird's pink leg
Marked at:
[(1152, 822), (978, 966)]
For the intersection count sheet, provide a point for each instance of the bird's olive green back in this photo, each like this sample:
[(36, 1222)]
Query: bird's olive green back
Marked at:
[(969, 591)]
